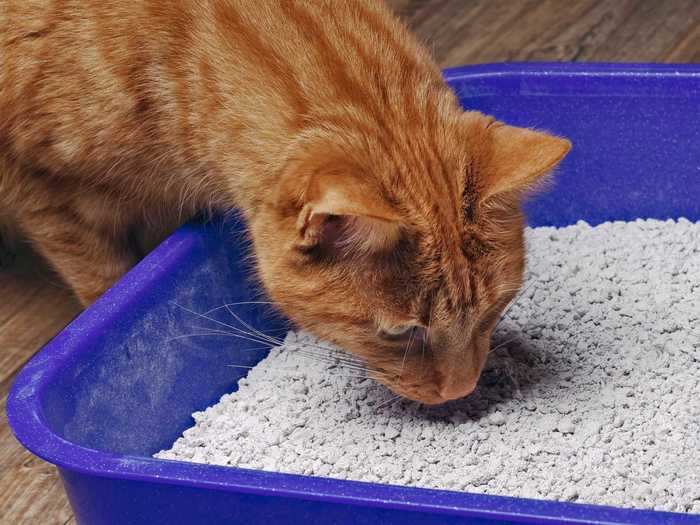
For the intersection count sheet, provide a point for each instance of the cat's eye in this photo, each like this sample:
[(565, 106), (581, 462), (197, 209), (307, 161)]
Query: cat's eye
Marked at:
[(398, 331)]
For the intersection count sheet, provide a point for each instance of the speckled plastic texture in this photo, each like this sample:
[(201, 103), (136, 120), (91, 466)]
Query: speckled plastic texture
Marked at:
[(108, 392)]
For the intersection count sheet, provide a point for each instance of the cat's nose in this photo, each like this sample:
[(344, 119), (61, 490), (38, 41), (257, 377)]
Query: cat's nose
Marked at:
[(456, 388)]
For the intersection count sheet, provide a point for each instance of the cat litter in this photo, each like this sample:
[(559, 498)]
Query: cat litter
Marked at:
[(596, 399)]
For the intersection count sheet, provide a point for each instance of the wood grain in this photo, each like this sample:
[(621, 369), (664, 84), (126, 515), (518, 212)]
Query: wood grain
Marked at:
[(34, 305), (478, 31)]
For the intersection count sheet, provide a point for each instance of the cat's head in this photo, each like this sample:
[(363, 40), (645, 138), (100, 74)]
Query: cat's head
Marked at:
[(405, 252)]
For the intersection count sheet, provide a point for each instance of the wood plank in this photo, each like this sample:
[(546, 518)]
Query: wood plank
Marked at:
[(687, 48), (34, 307), (478, 31), (30, 489), (649, 32)]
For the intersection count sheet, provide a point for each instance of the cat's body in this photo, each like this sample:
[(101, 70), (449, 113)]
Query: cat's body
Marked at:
[(118, 112), (323, 122)]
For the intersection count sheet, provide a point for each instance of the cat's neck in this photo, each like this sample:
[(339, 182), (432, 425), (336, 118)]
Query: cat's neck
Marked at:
[(386, 104)]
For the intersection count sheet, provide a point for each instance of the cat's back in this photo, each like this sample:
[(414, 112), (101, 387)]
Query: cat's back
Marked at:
[(86, 83), (68, 69), (92, 79)]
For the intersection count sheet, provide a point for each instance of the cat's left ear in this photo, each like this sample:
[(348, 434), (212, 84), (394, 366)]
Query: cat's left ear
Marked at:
[(344, 215), (338, 211), (520, 158)]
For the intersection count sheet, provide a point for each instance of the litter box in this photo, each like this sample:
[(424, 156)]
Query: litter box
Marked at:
[(113, 387)]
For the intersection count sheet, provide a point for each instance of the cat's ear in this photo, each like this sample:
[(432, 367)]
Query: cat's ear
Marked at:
[(341, 214), (519, 159)]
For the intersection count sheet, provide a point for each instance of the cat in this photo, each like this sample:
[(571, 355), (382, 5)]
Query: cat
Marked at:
[(383, 216)]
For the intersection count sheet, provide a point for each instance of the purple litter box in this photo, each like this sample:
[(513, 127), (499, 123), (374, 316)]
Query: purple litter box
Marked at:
[(111, 389)]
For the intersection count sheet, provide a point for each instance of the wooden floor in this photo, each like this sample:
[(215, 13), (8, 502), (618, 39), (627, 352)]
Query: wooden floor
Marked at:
[(34, 305)]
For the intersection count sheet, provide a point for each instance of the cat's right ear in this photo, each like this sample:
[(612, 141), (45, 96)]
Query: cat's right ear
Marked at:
[(338, 212), (510, 160), (521, 158)]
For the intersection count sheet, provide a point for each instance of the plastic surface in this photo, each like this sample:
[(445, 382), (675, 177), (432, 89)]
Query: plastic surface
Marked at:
[(119, 383)]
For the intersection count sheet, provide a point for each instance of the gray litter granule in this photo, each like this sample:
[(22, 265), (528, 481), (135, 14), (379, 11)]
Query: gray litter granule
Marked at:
[(596, 400)]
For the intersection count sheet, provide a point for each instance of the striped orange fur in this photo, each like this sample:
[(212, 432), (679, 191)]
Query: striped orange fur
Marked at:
[(373, 201)]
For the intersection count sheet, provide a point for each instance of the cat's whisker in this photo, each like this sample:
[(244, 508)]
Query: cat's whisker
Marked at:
[(261, 336), (257, 333), (221, 333), (203, 334), (347, 364), (360, 369), (239, 303), (326, 349), (330, 360), (388, 402), (323, 347), (253, 332), (348, 367), (334, 355), (352, 376), (515, 301), (527, 287), (503, 344), (203, 316), (249, 327), (238, 336), (520, 295), (405, 353), (313, 350), (347, 358), (504, 316), (188, 336), (234, 330), (427, 336)]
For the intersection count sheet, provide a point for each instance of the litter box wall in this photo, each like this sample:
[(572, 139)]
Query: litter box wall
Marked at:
[(153, 364), (121, 381), (635, 131)]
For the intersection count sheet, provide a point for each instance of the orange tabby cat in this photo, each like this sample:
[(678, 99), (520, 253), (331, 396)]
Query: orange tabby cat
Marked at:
[(383, 217)]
